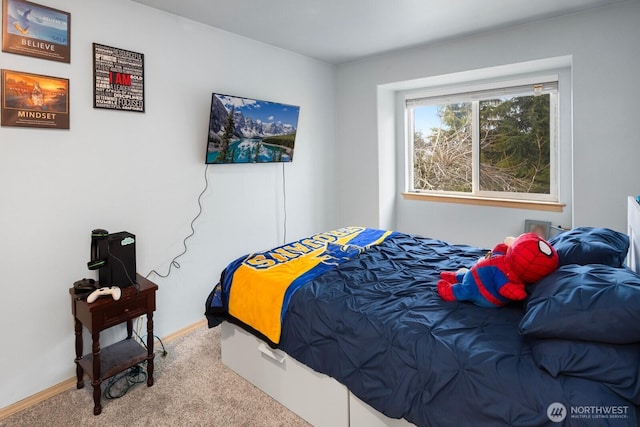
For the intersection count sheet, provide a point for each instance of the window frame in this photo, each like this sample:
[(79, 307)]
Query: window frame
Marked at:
[(473, 92)]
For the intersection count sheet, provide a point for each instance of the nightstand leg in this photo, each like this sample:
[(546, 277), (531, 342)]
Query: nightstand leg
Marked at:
[(150, 353), (79, 344), (97, 406)]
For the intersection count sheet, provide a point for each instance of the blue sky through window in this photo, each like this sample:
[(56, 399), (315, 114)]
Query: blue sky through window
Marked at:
[(425, 118)]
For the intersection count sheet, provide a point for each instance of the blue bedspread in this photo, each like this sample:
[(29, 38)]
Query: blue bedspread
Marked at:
[(377, 325)]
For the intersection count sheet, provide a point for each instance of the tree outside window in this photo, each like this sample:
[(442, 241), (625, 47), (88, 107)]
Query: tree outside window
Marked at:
[(486, 144)]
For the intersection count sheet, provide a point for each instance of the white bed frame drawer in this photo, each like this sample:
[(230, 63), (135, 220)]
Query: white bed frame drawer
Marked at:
[(319, 399)]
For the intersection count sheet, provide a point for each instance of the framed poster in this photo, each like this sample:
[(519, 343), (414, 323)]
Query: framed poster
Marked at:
[(34, 101), (34, 30), (118, 79)]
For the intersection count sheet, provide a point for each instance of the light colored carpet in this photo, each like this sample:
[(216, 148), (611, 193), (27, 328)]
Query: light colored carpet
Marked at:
[(192, 388)]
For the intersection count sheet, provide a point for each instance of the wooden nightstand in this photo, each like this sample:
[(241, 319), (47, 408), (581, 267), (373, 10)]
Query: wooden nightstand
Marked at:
[(104, 313)]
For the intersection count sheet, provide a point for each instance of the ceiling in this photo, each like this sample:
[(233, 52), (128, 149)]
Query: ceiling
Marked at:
[(338, 31)]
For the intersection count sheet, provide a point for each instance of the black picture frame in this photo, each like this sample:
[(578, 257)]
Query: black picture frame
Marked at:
[(118, 79)]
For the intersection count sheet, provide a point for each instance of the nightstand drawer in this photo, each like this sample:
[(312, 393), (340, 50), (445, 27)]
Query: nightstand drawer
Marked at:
[(121, 312)]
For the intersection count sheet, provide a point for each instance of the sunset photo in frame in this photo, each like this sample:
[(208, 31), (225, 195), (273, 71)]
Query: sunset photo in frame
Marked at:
[(247, 130), (34, 101), (35, 30)]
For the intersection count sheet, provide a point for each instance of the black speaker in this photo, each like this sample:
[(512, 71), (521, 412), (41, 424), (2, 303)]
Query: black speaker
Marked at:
[(114, 256)]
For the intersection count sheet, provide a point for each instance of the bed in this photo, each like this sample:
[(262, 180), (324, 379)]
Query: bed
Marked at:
[(360, 337)]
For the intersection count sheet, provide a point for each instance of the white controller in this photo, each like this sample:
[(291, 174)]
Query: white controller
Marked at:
[(114, 291)]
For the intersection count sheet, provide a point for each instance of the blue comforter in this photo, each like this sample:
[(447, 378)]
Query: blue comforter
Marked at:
[(377, 325)]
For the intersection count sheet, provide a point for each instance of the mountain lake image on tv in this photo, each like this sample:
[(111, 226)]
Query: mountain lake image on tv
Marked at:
[(244, 130)]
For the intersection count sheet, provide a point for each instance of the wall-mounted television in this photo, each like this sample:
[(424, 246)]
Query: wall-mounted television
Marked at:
[(245, 130)]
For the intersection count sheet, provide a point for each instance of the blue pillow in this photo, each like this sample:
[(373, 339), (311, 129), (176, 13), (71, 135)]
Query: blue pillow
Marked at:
[(588, 245), (615, 365), (585, 302)]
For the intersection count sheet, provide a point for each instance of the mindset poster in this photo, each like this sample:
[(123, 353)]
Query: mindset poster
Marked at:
[(35, 101)]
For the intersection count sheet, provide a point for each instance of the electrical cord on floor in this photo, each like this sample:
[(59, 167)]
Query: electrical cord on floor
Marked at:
[(143, 341), (163, 353), (119, 385), (141, 338)]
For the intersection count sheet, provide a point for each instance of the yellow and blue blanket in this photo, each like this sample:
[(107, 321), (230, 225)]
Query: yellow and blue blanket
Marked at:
[(377, 325), (258, 286)]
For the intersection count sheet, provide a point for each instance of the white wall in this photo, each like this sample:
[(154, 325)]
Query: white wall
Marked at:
[(142, 173), (605, 56)]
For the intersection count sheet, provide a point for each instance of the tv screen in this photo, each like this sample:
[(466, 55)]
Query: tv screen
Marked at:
[(245, 130)]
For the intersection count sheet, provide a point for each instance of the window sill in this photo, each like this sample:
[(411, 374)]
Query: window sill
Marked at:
[(484, 201)]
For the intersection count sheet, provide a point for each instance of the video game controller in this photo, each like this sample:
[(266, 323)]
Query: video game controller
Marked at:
[(114, 291)]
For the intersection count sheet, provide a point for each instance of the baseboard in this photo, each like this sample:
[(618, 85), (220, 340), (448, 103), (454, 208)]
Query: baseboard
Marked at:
[(71, 382), (185, 330), (37, 398)]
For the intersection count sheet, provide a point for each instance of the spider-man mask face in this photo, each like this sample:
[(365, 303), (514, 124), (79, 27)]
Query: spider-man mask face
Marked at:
[(531, 257)]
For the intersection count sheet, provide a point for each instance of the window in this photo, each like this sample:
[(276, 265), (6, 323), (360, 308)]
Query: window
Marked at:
[(494, 141)]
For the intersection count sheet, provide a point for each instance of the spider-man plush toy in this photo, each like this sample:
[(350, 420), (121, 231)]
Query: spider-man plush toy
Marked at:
[(502, 275)]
